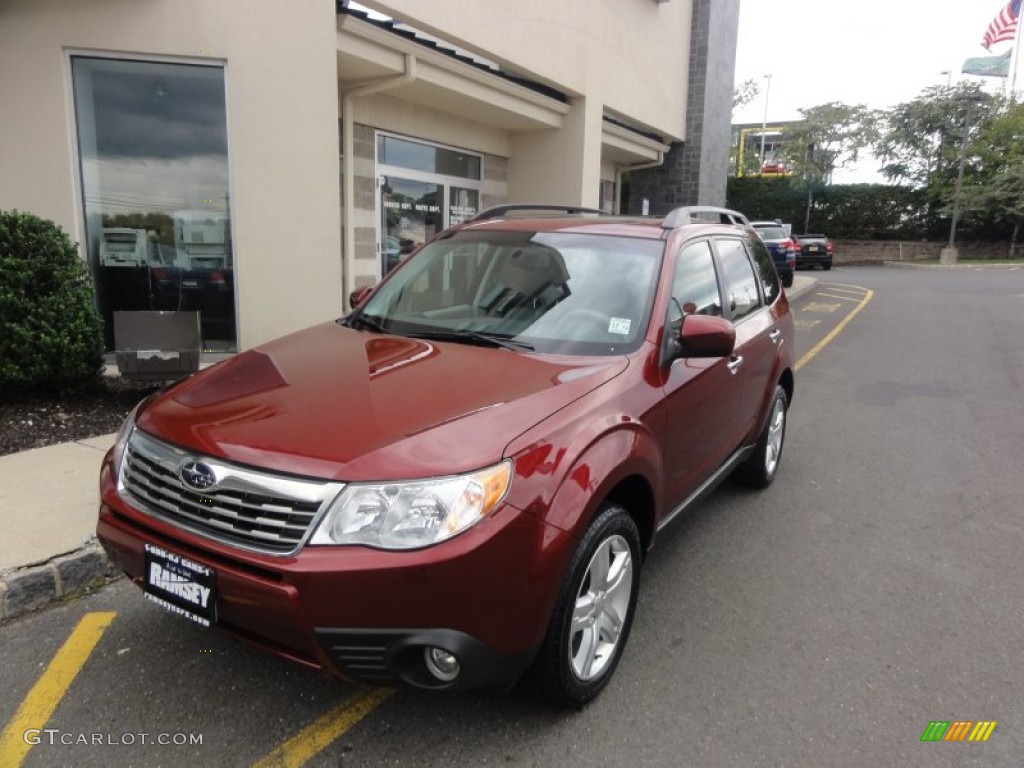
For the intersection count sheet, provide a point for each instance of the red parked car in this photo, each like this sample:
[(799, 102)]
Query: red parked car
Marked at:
[(462, 477)]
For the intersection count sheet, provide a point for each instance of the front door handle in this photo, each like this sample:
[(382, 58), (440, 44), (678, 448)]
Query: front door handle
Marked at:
[(734, 364), (774, 336)]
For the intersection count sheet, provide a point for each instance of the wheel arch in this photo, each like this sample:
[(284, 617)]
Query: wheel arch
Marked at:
[(787, 382), (621, 467), (635, 494)]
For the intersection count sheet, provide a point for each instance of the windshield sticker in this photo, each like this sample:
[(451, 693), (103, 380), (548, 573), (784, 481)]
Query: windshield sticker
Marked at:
[(619, 325)]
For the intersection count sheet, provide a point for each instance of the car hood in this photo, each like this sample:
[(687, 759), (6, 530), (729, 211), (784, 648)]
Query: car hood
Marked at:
[(351, 405)]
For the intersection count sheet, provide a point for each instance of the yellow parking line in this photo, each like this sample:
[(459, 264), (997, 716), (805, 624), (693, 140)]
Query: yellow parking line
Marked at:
[(837, 296), (835, 331), (844, 287), (319, 734), (50, 688)]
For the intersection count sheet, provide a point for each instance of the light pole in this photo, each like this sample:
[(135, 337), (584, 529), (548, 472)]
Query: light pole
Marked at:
[(949, 77), (764, 119), (949, 254)]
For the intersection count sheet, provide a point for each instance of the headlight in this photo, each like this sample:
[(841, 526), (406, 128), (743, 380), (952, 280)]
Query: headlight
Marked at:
[(121, 442), (125, 433), (418, 513)]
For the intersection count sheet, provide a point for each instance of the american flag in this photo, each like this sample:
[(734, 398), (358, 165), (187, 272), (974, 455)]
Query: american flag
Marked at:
[(1003, 26)]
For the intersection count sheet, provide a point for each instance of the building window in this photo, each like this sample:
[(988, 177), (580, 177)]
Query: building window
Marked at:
[(414, 155), (152, 143)]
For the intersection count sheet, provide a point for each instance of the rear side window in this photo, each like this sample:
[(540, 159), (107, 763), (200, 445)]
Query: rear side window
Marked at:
[(772, 233), (740, 281), (765, 270), (695, 285)]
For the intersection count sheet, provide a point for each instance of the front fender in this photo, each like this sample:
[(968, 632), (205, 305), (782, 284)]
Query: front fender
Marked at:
[(622, 452)]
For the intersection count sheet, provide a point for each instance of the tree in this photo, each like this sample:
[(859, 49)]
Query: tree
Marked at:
[(993, 194), (829, 136), (744, 93), (1001, 200), (919, 143)]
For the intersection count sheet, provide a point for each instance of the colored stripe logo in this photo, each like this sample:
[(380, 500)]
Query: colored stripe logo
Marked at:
[(958, 730)]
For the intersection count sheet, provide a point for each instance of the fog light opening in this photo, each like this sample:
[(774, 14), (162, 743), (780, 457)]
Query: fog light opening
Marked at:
[(441, 664)]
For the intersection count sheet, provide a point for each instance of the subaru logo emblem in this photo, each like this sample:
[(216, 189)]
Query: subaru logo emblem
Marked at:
[(197, 475)]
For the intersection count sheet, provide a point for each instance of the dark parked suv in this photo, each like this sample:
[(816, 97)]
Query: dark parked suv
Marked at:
[(781, 246), (463, 477)]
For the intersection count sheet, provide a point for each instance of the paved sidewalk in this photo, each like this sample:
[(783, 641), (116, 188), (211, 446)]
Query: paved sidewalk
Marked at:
[(51, 552), (53, 493)]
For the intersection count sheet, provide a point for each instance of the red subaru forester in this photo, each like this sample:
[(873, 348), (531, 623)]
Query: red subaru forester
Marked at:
[(462, 477)]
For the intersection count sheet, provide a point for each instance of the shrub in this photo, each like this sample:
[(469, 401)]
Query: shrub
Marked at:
[(50, 331)]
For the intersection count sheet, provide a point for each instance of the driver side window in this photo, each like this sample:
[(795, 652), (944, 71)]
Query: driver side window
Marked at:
[(695, 285)]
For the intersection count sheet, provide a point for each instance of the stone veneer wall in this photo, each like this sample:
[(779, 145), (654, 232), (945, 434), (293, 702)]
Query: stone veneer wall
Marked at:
[(365, 188), (495, 183), (877, 251), (694, 171)]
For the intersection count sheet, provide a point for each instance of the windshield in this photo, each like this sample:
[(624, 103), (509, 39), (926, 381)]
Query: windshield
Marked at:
[(557, 292)]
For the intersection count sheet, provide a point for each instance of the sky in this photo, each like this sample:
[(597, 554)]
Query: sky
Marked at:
[(873, 52)]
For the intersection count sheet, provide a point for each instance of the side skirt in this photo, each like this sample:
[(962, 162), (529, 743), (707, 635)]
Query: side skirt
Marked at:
[(708, 485)]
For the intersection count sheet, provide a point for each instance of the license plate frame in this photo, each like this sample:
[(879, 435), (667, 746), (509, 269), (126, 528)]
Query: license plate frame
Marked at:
[(180, 585)]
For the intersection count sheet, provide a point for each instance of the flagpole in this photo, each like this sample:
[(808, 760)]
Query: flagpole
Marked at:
[(1016, 60)]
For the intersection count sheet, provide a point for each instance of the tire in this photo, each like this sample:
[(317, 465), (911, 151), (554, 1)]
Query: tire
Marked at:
[(577, 659), (827, 266), (760, 468)]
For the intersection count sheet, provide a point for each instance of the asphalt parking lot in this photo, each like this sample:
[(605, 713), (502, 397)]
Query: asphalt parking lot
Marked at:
[(830, 620)]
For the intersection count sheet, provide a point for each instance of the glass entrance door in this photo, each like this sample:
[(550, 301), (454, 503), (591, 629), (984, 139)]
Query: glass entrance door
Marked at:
[(424, 188), (411, 212), (463, 204)]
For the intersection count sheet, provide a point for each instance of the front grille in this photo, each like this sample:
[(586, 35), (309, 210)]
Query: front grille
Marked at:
[(247, 508)]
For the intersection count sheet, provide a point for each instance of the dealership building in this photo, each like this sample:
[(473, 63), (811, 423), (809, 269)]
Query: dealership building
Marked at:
[(257, 160)]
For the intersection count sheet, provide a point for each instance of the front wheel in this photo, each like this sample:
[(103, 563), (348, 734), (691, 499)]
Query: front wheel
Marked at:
[(594, 611), (759, 469)]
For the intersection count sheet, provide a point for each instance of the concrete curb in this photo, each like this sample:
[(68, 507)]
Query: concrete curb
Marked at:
[(960, 265), (26, 589), (801, 286)]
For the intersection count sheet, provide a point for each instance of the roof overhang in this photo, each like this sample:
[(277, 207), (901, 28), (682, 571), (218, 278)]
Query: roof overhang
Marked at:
[(367, 53), (627, 147)]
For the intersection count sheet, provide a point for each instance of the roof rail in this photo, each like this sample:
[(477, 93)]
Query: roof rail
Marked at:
[(691, 214), (500, 210)]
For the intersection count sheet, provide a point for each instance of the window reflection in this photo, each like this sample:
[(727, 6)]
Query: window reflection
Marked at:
[(153, 151), (426, 157)]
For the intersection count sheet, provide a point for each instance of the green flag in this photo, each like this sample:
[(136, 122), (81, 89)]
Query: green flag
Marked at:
[(988, 66)]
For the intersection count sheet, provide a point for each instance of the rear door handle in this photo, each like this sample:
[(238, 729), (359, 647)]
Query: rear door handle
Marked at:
[(774, 336), (734, 364)]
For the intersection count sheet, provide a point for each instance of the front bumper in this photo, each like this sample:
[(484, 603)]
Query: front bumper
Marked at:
[(367, 615)]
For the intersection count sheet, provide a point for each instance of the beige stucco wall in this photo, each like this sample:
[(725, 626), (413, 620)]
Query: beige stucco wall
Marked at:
[(389, 113), (559, 167), (282, 110), (632, 56)]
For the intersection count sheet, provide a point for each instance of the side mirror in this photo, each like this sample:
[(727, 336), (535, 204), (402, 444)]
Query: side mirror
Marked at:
[(706, 336), (358, 296)]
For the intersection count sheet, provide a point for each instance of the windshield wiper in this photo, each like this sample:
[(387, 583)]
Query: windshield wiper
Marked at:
[(358, 318), (475, 337)]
